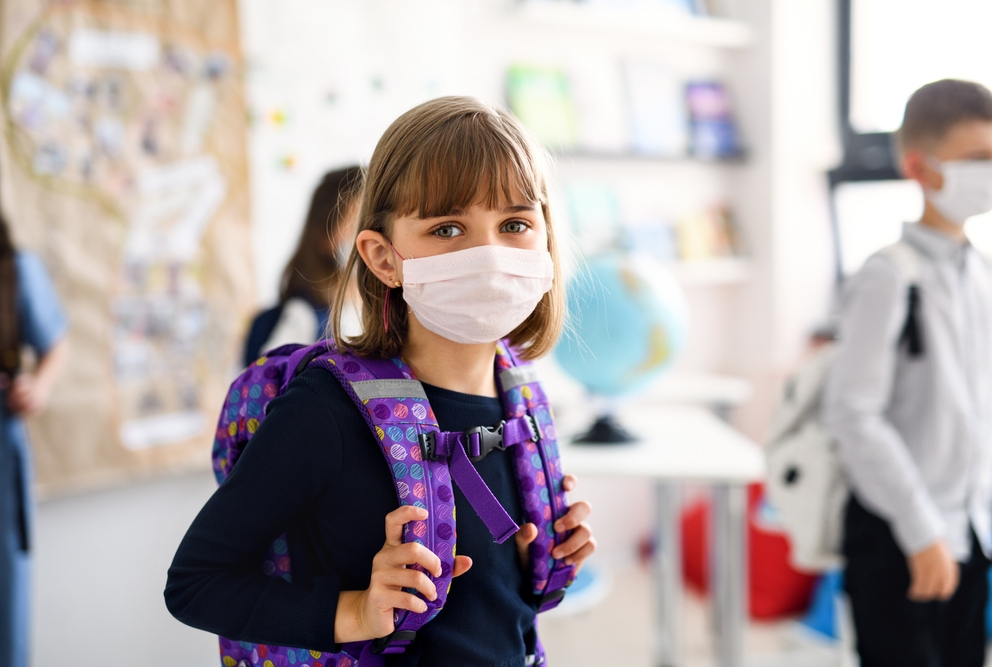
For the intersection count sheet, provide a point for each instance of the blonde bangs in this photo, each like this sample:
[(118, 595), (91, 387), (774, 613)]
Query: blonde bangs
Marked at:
[(467, 161)]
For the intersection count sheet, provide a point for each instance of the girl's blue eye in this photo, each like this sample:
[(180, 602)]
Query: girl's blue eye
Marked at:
[(447, 231), (515, 227)]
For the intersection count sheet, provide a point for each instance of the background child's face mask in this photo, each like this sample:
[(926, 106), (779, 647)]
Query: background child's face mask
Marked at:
[(967, 189), (477, 295)]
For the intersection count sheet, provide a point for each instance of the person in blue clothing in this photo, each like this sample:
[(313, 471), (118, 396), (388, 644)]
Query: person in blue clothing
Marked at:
[(311, 275), (30, 316)]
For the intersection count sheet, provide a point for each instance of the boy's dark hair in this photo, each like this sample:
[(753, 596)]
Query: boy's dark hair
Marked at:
[(936, 107)]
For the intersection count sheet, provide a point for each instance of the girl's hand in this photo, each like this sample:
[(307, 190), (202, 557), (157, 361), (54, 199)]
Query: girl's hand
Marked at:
[(576, 548), (368, 614), (26, 396)]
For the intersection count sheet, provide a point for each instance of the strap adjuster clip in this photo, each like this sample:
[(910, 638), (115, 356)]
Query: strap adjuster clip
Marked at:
[(382, 643), (428, 445)]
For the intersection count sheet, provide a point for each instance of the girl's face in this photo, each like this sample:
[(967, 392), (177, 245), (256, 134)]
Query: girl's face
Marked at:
[(516, 225)]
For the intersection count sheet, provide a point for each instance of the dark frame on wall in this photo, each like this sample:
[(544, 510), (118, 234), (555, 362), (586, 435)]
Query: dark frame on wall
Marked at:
[(868, 156)]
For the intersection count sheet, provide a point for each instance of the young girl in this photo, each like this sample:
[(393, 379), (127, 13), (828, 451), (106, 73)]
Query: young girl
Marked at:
[(30, 315), (455, 250), (308, 282)]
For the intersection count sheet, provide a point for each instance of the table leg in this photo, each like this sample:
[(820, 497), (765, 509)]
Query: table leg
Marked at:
[(728, 572), (668, 576)]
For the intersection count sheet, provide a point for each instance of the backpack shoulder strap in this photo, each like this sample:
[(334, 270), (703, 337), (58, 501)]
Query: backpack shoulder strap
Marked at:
[(539, 473), (906, 259), (395, 407), (909, 265)]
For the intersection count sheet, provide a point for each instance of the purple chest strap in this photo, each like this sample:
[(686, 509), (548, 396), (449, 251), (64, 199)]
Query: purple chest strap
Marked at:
[(462, 448)]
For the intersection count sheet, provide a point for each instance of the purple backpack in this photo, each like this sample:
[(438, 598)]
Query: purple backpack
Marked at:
[(424, 462)]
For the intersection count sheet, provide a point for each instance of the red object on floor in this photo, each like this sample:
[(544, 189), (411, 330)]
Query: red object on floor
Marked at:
[(776, 589)]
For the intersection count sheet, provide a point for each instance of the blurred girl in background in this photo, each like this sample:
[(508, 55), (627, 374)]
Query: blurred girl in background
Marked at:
[(311, 276), (31, 316)]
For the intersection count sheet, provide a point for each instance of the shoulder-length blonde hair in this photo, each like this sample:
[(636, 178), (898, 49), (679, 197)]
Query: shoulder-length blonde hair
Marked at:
[(448, 154)]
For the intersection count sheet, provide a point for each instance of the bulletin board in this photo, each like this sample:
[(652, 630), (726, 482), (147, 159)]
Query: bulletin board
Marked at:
[(123, 164)]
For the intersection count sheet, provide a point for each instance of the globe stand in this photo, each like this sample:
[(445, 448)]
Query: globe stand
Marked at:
[(606, 431)]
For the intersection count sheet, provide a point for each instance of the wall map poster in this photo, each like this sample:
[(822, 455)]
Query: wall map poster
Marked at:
[(123, 163)]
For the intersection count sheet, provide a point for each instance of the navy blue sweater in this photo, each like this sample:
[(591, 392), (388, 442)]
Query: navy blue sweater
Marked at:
[(314, 470)]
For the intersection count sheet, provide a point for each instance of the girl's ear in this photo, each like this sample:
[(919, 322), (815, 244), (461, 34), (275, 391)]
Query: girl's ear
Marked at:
[(380, 257)]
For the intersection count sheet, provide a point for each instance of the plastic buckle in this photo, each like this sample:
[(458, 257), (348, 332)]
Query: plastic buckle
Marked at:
[(535, 428), (490, 438), (552, 599), (382, 643), (428, 445)]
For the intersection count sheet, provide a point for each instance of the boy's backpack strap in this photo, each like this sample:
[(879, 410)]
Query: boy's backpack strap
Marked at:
[(906, 259), (539, 474), (909, 266)]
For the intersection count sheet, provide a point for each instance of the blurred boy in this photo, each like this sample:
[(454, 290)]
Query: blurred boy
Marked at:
[(915, 430)]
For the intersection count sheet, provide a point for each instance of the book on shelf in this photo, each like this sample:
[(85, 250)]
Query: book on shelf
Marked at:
[(540, 97), (711, 122), (708, 234)]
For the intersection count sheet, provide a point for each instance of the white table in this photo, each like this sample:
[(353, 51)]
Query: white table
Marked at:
[(684, 444)]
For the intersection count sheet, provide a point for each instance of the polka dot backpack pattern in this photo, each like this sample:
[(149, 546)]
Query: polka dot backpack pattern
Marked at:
[(424, 462)]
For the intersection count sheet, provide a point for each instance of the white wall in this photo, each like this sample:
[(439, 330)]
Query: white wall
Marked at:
[(791, 120)]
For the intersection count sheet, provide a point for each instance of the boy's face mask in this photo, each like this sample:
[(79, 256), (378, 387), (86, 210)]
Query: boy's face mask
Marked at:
[(477, 295), (967, 189)]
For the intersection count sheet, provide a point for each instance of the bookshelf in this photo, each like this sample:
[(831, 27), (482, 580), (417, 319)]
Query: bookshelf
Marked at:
[(661, 23)]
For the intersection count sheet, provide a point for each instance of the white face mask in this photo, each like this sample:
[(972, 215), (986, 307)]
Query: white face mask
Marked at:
[(478, 295), (967, 189)]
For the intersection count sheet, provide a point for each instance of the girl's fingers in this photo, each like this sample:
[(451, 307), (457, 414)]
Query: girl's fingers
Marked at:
[(582, 553), (462, 565), (406, 555), (524, 536), (396, 519), (577, 513), (401, 600), (406, 578), (581, 535), (569, 482)]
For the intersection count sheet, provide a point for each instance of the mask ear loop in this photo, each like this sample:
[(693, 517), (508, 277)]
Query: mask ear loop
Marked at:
[(385, 303)]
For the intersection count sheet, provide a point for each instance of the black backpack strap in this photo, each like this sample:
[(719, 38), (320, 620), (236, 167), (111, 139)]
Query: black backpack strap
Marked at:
[(908, 264), (912, 330)]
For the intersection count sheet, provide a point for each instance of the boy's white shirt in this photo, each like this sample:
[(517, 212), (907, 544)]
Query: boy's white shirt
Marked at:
[(915, 435)]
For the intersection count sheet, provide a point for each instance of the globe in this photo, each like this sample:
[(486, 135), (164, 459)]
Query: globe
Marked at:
[(628, 323)]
